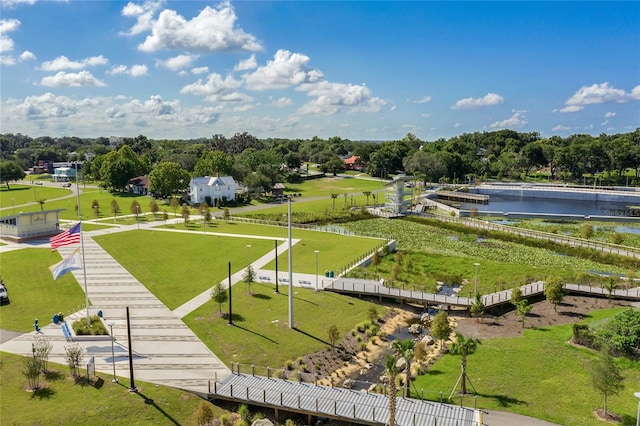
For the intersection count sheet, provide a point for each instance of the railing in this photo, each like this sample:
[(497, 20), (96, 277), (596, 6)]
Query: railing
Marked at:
[(562, 239)]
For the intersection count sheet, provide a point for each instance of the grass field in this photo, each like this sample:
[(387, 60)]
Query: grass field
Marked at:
[(178, 266), (333, 185), (32, 290), (65, 402), (539, 375), (19, 194), (261, 334)]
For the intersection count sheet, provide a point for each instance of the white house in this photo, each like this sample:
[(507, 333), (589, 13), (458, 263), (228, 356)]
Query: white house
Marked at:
[(215, 187), (64, 174)]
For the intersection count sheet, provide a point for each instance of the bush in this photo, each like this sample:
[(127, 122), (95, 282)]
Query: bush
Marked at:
[(95, 328), (204, 414)]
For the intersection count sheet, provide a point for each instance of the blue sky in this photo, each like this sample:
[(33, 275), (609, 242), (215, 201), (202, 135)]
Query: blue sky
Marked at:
[(361, 70)]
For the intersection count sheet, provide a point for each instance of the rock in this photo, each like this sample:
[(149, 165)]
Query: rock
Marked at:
[(401, 364), (262, 422), (348, 384), (415, 328), (372, 388), (425, 317), (428, 340)]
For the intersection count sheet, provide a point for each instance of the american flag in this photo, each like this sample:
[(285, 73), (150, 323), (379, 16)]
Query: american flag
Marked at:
[(70, 236)]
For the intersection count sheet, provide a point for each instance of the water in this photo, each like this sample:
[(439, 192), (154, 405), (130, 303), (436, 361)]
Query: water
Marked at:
[(501, 203), (627, 229)]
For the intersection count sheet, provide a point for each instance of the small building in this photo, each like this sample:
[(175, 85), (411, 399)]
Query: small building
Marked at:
[(353, 163), (139, 185), (221, 188), (63, 174), (30, 225), (277, 190)]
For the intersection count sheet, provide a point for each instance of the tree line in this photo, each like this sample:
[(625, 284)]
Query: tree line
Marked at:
[(260, 163)]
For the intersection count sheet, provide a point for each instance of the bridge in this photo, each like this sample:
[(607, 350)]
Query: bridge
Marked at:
[(359, 407), (375, 288)]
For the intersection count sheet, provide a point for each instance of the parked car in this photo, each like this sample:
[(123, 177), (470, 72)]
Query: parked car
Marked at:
[(4, 297), (38, 183), (66, 185)]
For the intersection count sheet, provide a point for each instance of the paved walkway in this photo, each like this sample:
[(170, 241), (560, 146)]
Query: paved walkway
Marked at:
[(165, 350)]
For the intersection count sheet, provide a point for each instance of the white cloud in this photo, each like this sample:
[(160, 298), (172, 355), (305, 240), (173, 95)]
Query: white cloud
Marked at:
[(609, 114), (6, 42), (83, 78), (10, 4), (598, 94), (134, 71), (282, 102), (43, 107), (424, 100), (286, 69), (635, 93), (604, 123), (138, 70), (516, 121), (471, 103), (560, 128), (213, 30), (457, 125), (425, 115), (248, 64), (217, 89), (143, 13), (242, 108), (200, 70), (27, 56), (393, 108), (334, 97), (570, 108), (62, 63), (178, 62)]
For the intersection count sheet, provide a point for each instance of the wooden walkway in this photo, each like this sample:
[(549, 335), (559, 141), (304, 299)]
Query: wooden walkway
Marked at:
[(466, 197), (374, 288), (341, 404)]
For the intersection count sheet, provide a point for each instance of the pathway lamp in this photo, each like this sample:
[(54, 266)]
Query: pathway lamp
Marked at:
[(113, 354), (316, 252), (476, 285)]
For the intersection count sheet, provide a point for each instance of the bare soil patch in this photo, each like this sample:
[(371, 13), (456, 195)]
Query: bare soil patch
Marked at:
[(507, 324)]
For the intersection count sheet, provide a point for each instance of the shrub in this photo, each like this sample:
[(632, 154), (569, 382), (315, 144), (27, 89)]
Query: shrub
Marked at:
[(74, 354), (95, 328), (31, 370), (244, 412), (204, 414)]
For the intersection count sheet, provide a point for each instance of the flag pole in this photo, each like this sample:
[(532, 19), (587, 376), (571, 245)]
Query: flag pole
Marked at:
[(84, 268)]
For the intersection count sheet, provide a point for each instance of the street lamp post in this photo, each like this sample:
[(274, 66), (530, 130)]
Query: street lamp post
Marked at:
[(316, 252), (113, 354), (476, 286), (138, 215), (637, 394), (249, 258)]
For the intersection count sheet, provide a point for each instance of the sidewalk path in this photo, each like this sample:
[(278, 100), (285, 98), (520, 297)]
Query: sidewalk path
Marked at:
[(166, 351)]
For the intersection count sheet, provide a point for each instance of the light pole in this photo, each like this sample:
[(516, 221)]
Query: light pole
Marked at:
[(113, 354), (138, 215), (316, 252), (476, 265), (249, 258), (637, 394)]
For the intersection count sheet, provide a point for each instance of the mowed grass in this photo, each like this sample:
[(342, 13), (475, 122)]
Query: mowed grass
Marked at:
[(176, 267), (333, 185), (336, 251), (65, 402), (32, 290), (261, 333), (19, 194), (539, 375)]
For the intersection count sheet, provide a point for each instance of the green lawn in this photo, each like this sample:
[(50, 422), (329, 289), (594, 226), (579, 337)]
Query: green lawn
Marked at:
[(64, 402), (19, 194), (538, 375), (331, 185), (261, 335), (331, 246), (32, 290)]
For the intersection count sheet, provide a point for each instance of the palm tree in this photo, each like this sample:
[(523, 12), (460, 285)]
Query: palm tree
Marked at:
[(366, 194), (333, 200), (405, 349), (392, 372), (464, 346)]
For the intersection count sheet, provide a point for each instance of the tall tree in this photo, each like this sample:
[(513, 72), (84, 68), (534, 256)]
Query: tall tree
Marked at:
[(391, 371), (168, 179), (10, 171), (213, 163), (607, 378), (554, 291), (464, 346), (219, 295), (406, 350), (522, 310)]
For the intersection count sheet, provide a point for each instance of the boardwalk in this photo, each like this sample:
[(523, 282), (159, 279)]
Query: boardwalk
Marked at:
[(337, 403), (374, 288)]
